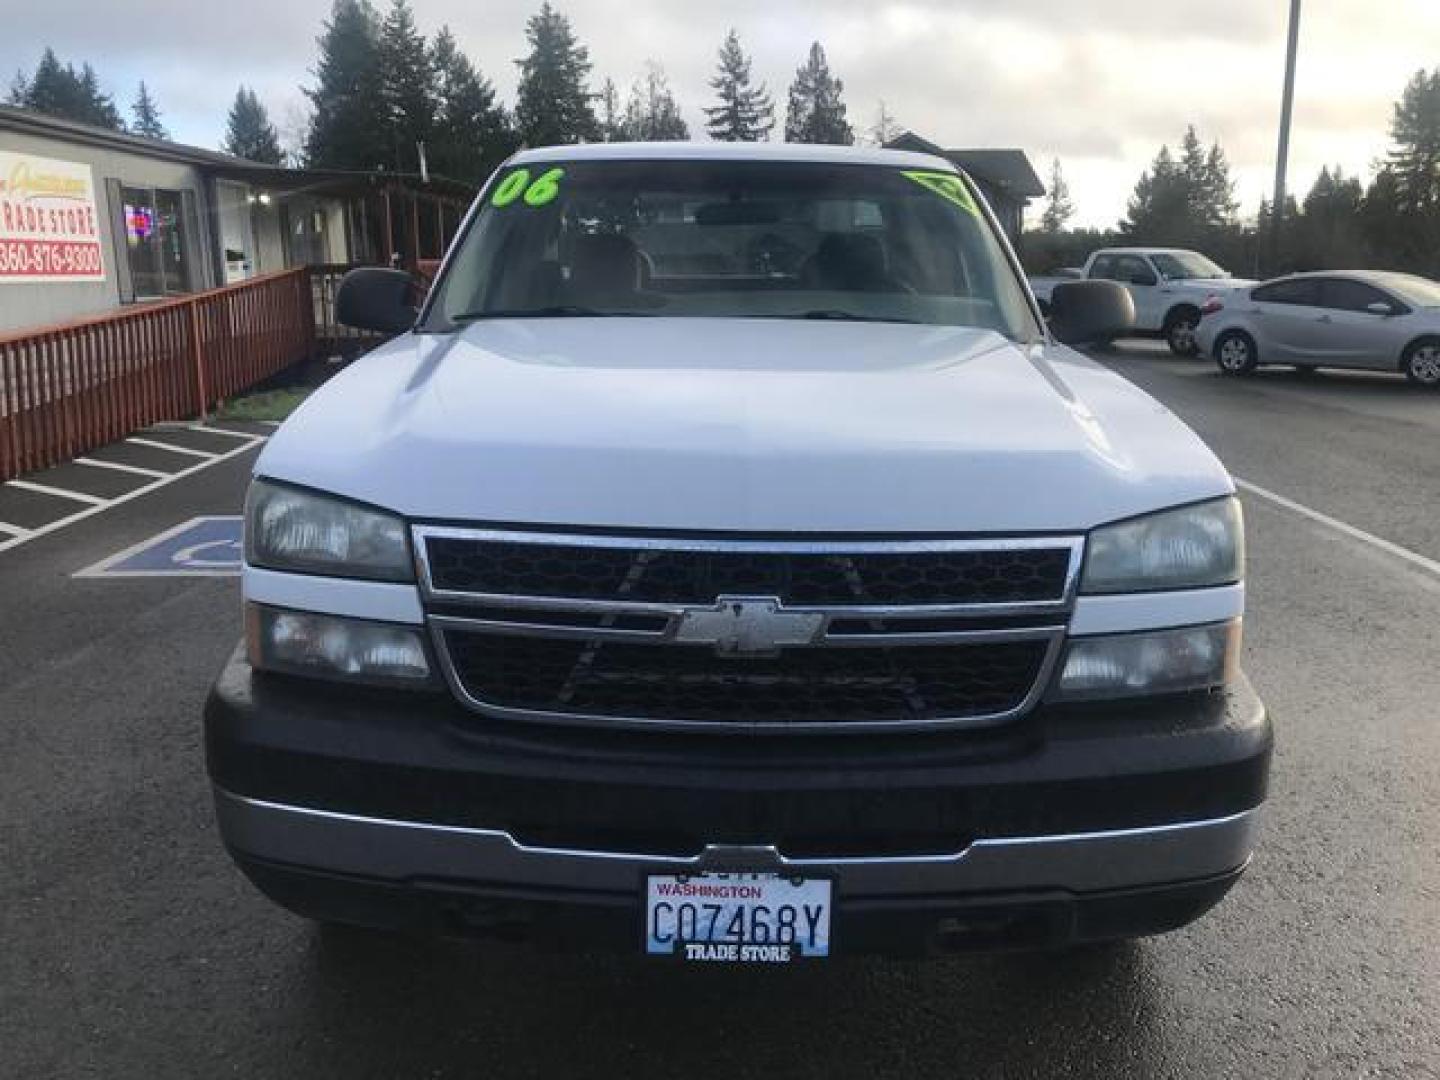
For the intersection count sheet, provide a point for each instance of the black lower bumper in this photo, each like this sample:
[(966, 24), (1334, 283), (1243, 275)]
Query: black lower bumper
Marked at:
[(407, 810), (594, 922)]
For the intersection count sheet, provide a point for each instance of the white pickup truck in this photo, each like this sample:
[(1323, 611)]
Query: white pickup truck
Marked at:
[(1169, 287), (727, 562)]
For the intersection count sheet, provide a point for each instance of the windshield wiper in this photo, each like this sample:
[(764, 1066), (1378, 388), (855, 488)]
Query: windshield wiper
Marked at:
[(850, 316), (552, 311)]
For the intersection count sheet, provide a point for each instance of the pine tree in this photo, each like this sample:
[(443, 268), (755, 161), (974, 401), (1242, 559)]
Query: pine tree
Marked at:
[(817, 113), (651, 115), (248, 131), (147, 115), (886, 129), (59, 90), (407, 86), (1189, 201), (552, 105), (472, 132), (1415, 130), (99, 107), (612, 120), (347, 129), (745, 112), (1058, 207)]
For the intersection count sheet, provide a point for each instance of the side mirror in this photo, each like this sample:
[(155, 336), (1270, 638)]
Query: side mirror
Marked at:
[(1380, 308), (1086, 312), (374, 298)]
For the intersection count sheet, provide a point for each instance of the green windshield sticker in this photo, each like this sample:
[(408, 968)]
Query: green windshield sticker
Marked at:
[(510, 188), (541, 192), (947, 186), (544, 189)]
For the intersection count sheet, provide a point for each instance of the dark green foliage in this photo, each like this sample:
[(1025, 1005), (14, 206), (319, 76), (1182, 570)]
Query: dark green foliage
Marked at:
[(472, 132), (248, 131), (553, 105), (146, 115), (60, 90), (745, 112), (817, 112), (348, 129)]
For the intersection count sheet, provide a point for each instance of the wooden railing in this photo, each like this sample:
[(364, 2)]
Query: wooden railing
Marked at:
[(68, 388)]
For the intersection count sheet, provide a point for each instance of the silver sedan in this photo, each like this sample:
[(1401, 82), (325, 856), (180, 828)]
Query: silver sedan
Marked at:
[(1368, 320)]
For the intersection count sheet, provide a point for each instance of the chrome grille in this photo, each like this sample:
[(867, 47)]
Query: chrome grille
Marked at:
[(746, 635)]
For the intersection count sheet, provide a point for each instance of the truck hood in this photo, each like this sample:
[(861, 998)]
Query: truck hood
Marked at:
[(758, 426)]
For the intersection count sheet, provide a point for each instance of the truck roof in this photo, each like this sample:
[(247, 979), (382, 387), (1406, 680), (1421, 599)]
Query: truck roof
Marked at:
[(1145, 251), (728, 151)]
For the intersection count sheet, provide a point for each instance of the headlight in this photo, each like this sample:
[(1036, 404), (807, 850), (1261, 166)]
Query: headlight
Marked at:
[(290, 529), (1152, 662), (327, 646), (1190, 548)]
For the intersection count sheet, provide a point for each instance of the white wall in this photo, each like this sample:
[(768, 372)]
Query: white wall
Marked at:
[(25, 304)]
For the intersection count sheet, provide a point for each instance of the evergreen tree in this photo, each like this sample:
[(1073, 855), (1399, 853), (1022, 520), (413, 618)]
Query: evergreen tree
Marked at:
[(472, 132), (347, 129), (59, 90), (147, 115), (407, 81), (652, 115), (1187, 201), (99, 107), (745, 112), (553, 105), (886, 128), (817, 113), (612, 120), (1058, 207), (1415, 160), (248, 131)]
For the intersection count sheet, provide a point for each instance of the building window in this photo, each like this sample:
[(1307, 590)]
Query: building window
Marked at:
[(156, 242)]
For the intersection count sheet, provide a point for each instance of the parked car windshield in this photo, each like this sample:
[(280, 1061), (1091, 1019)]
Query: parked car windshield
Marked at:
[(1419, 291), (732, 239), (1182, 265)]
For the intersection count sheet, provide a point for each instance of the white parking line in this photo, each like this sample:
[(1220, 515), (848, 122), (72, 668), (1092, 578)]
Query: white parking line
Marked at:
[(25, 536), (218, 431), (154, 474), (13, 530), (171, 446), (1388, 546), (59, 493)]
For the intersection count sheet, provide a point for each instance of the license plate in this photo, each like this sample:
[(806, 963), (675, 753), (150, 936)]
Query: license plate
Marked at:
[(737, 918)]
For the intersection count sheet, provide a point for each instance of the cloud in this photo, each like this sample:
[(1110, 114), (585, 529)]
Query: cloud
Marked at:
[(1099, 83)]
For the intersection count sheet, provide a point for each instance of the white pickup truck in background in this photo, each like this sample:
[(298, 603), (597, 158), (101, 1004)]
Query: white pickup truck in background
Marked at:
[(1169, 285)]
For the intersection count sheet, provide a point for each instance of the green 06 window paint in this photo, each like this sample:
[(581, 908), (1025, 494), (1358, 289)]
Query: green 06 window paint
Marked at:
[(510, 188), (539, 193), (947, 186)]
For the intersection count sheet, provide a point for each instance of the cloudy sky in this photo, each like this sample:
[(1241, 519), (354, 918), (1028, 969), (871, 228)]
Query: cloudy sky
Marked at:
[(1098, 83)]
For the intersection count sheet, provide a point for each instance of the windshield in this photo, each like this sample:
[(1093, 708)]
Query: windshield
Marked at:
[(1183, 265), (732, 239), (1419, 291)]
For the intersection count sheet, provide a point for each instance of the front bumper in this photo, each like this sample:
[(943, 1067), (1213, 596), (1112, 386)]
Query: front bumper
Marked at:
[(402, 810)]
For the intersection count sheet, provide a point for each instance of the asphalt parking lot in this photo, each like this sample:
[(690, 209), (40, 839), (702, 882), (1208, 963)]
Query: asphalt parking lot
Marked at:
[(129, 946)]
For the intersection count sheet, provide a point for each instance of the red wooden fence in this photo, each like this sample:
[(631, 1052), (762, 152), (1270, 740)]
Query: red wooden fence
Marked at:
[(68, 388)]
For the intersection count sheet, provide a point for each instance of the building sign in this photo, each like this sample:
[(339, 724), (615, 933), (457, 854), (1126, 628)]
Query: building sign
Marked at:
[(49, 227)]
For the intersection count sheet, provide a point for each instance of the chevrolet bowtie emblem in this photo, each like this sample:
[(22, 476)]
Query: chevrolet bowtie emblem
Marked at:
[(748, 626)]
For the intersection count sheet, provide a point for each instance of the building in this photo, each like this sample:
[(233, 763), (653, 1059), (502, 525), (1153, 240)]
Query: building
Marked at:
[(93, 219), (1006, 177)]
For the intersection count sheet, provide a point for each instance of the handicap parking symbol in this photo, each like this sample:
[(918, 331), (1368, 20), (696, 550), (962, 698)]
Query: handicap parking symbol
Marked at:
[(200, 547)]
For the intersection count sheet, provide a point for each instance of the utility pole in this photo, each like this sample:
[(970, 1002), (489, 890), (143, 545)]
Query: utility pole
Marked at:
[(1287, 108)]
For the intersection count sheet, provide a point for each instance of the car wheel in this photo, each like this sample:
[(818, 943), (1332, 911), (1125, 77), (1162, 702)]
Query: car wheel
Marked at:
[(1235, 353), (1422, 363), (1180, 333)]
